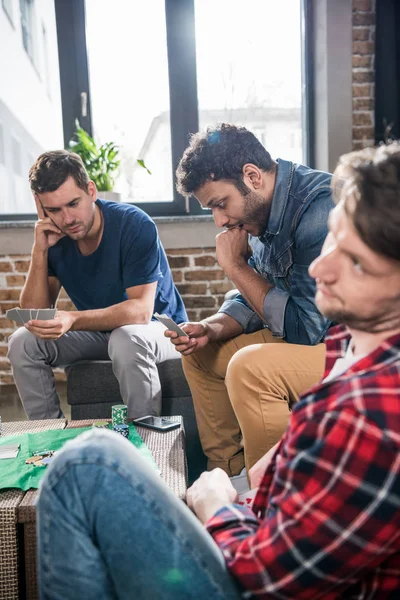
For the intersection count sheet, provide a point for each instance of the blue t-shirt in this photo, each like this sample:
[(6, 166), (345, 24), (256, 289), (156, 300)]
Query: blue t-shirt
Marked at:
[(130, 253)]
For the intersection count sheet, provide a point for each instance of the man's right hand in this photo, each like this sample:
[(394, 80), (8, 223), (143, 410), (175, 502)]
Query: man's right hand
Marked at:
[(46, 233), (197, 337)]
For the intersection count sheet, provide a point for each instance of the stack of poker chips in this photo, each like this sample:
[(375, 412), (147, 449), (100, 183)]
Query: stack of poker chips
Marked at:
[(119, 414), (122, 429)]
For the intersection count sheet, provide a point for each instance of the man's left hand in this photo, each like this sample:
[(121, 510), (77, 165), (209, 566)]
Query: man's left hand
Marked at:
[(209, 493), (53, 329), (232, 248)]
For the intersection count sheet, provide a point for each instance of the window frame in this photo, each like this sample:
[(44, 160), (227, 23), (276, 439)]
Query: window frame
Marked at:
[(182, 75)]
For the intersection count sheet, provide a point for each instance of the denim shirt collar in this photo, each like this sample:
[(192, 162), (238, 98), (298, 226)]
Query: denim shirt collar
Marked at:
[(283, 182)]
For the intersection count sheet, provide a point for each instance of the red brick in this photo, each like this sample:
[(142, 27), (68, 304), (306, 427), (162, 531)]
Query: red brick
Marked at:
[(221, 287), (10, 294), (178, 262), (183, 251), (6, 323), (367, 18), (199, 301), (65, 305), (359, 145), (362, 118), (207, 313), (5, 306), (177, 276), (205, 261), (22, 266), (365, 5), (6, 379), (363, 47), (4, 364), (362, 90), (15, 280), (363, 76), (192, 288), (5, 267), (205, 275), (363, 104), (362, 61), (193, 315), (361, 34), (363, 133)]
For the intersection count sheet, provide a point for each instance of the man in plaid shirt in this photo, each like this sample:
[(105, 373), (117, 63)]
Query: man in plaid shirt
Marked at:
[(325, 522)]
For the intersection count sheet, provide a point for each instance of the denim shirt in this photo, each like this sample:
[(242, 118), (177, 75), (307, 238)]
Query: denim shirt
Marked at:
[(296, 230)]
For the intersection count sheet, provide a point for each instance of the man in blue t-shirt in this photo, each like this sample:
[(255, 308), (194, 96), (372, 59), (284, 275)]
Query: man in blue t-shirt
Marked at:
[(109, 259)]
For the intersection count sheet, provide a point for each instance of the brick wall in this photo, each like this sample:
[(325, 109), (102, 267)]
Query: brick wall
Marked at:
[(196, 273), (363, 73)]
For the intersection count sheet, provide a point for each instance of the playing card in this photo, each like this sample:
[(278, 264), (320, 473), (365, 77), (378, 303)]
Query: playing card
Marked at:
[(169, 324), (247, 498), (34, 313), (24, 314), (46, 314), (9, 451), (13, 314)]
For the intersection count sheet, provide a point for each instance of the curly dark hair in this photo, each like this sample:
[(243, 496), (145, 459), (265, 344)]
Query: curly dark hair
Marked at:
[(220, 153), (368, 182), (52, 169)]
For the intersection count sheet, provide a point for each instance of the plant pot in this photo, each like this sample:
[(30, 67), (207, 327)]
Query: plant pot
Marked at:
[(114, 196)]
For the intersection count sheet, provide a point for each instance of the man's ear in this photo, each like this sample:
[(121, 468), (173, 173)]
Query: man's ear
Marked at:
[(252, 175), (92, 190)]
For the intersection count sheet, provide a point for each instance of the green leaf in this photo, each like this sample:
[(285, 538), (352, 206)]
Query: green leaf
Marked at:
[(141, 163)]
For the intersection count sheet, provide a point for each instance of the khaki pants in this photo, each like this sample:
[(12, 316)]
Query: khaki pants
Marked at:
[(242, 389)]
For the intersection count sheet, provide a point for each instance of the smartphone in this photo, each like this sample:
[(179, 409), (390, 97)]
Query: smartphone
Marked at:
[(157, 423)]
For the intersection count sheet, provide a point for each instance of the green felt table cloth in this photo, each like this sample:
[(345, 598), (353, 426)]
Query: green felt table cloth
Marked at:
[(14, 473)]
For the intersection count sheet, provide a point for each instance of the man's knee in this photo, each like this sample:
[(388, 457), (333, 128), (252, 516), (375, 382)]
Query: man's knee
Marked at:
[(21, 342), (127, 342)]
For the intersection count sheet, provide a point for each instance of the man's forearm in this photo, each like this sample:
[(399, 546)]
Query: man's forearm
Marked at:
[(35, 293), (105, 319), (222, 327), (252, 286)]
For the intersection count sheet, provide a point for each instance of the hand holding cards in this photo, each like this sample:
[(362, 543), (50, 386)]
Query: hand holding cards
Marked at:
[(170, 324), (23, 315)]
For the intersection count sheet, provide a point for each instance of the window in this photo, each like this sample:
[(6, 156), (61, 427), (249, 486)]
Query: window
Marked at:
[(45, 51), (26, 7), (249, 69), (16, 156), (7, 6), (2, 154)]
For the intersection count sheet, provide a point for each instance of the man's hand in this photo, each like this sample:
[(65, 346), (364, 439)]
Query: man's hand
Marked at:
[(257, 471), (53, 329), (46, 233), (209, 493), (233, 249), (197, 337)]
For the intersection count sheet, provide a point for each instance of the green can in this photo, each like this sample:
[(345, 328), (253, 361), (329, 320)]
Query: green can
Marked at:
[(119, 414)]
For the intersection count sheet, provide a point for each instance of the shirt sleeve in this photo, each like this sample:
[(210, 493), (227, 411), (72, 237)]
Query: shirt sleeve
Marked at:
[(141, 254), (332, 512)]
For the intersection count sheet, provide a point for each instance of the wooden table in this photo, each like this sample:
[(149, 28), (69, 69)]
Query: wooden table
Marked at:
[(17, 508)]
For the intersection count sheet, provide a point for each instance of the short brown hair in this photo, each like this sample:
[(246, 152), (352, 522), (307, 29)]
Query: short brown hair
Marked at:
[(368, 182), (53, 168)]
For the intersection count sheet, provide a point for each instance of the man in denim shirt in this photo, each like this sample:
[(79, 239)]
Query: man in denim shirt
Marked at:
[(281, 210)]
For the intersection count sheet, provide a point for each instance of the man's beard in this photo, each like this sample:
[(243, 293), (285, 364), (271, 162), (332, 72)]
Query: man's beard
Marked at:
[(256, 212), (378, 322), (84, 232)]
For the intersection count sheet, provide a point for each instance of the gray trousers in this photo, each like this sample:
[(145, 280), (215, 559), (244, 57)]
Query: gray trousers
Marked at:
[(135, 351)]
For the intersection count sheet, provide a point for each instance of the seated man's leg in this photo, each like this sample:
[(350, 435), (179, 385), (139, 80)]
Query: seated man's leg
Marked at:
[(109, 527), (135, 351), (218, 426), (33, 358), (263, 381)]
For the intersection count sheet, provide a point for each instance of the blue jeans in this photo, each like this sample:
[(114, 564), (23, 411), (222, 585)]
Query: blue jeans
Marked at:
[(109, 527)]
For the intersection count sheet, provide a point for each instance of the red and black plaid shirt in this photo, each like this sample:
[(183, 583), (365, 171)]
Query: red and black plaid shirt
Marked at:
[(326, 519)]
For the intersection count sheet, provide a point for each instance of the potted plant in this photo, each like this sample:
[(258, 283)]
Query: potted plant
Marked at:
[(101, 162)]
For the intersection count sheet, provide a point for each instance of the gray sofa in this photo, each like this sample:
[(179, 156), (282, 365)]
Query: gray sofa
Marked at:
[(92, 389)]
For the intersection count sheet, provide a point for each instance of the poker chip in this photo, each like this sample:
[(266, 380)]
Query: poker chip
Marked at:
[(119, 414), (100, 425), (122, 429)]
